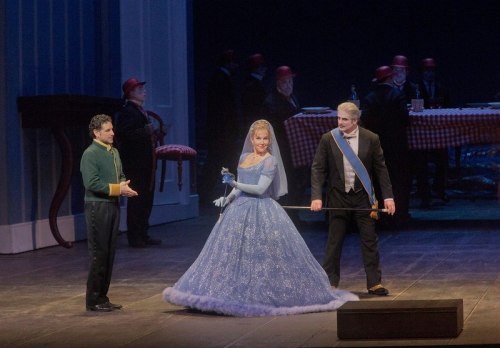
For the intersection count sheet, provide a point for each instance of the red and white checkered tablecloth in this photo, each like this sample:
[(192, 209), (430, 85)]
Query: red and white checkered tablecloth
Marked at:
[(442, 128), (304, 132), (429, 129)]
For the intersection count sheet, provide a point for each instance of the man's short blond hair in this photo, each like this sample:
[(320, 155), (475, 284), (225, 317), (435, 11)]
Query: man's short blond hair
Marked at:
[(351, 109)]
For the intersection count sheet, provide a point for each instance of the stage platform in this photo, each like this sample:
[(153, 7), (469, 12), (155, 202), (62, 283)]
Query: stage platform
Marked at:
[(440, 255)]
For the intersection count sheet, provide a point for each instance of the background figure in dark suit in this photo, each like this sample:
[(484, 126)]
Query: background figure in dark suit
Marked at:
[(401, 70), (386, 114), (221, 131), (253, 92), (432, 91), (280, 104), (345, 190), (136, 140), (435, 95)]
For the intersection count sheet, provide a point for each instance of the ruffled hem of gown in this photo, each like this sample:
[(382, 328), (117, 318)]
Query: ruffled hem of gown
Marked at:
[(210, 304)]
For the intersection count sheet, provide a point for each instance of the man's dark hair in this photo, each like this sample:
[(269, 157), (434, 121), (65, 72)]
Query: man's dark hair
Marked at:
[(96, 123)]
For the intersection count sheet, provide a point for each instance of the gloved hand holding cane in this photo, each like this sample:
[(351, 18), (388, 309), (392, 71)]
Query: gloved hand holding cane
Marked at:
[(227, 178)]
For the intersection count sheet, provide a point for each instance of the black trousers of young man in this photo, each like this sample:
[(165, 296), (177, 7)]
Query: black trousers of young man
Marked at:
[(103, 219)]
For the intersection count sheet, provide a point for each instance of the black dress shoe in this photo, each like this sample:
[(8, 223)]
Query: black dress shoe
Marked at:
[(102, 307), (114, 305), (151, 241), (378, 290)]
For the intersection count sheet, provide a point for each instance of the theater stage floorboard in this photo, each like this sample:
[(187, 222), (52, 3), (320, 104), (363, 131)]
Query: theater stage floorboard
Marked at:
[(443, 256)]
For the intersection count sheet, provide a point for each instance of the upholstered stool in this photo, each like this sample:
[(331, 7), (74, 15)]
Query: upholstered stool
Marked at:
[(179, 153)]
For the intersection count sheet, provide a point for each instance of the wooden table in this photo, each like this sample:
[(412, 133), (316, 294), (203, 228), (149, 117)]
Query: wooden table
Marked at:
[(58, 112)]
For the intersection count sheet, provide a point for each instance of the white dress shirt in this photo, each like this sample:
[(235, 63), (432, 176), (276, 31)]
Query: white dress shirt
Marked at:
[(349, 173)]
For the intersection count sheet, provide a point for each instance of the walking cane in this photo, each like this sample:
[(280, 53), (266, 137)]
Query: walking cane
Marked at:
[(224, 172)]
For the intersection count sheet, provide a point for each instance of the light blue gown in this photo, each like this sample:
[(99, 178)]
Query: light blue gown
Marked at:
[(255, 262)]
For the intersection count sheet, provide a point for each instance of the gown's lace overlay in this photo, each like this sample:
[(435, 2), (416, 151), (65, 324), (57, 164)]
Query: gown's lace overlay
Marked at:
[(255, 262)]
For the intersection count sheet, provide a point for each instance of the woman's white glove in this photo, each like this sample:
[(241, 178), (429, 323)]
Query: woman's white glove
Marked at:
[(221, 202)]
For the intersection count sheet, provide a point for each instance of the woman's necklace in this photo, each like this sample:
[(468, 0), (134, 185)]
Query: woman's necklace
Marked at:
[(258, 156), (254, 158)]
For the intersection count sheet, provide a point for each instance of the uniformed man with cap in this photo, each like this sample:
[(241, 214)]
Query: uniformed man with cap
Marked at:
[(401, 69), (385, 113), (253, 92), (435, 95), (281, 103), (135, 134)]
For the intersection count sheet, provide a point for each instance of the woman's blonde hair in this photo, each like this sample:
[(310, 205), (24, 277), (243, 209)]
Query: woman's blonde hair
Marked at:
[(260, 125)]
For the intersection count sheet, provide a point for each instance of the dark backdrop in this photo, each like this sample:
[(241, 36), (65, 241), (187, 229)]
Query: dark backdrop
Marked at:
[(331, 44)]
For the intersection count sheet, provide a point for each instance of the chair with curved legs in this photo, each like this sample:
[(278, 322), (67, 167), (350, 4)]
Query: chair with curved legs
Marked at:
[(173, 152)]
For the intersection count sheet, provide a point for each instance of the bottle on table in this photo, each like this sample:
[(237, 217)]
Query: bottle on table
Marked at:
[(417, 104), (353, 97)]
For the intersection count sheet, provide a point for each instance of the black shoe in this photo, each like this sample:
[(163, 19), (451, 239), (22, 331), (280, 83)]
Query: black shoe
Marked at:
[(378, 290), (114, 305), (102, 307), (151, 241)]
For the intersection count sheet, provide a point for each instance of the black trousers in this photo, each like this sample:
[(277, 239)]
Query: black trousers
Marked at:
[(139, 207), (103, 219), (399, 165), (421, 160), (339, 223)]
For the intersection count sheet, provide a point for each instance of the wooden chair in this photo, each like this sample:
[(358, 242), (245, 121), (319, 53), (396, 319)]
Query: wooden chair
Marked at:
[(173, 152)]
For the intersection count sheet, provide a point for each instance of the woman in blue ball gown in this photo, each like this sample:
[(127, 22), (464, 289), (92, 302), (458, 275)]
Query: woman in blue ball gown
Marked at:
[(255, 262)]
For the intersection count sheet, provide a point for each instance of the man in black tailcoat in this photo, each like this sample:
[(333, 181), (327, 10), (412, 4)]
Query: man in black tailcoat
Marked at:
[(345, 191)]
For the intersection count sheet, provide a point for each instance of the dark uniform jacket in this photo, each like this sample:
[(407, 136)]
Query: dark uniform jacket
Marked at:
[(277, 109), (133, 138), (386, 114)]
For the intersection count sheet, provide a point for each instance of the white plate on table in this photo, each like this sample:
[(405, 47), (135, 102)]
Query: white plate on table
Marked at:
[(316, 110), (494, 105)]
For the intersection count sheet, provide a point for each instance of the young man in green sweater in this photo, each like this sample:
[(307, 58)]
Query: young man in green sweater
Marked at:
[(104, 183)]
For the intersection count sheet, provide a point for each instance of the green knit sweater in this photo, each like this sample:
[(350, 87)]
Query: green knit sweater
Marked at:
[(102, 173)]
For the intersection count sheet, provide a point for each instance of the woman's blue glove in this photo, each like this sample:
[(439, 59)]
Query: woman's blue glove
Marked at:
[(227, 177), (260, 188)]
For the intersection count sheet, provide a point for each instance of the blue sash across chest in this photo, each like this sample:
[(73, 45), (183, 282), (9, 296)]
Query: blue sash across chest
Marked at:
[(356, 163)]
